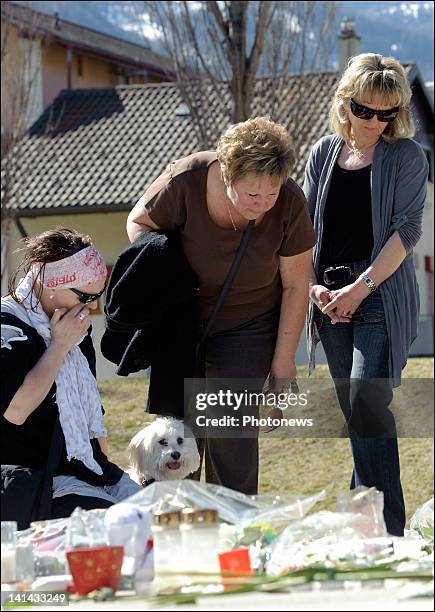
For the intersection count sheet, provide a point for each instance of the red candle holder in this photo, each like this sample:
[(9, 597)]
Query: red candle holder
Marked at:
[(95, 568)]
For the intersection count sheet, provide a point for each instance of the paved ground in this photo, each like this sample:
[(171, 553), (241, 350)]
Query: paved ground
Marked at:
[(328, 597)]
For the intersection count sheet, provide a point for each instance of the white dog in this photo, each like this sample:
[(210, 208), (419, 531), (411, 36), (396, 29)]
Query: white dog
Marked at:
[(164, 450)]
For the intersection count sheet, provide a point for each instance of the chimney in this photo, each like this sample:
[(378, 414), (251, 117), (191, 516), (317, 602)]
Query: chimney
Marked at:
[(349, 43)]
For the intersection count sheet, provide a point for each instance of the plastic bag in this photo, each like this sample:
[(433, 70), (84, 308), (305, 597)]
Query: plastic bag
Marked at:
[(368, 503), (85, 529), (129, 526), (145, 573), (45, 535), (422, 521), (319, 538), (47, 539), (232, 506)]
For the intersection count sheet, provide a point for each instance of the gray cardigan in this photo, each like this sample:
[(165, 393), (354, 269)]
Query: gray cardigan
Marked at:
[(398, 183)]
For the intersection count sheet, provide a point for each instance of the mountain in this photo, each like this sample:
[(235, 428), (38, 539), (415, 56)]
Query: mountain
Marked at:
[(401, 29), (118, 18)]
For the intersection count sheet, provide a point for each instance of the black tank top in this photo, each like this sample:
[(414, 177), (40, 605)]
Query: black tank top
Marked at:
[(347, 220)]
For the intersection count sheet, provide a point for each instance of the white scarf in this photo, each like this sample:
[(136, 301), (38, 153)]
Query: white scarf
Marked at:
[(77, 395)]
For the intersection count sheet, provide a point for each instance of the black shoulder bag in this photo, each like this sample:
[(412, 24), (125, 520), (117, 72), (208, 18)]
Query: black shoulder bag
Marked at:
[(26, 493), (200, 348)]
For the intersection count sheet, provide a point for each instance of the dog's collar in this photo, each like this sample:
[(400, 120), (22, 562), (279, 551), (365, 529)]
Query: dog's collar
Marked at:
[(146, 483)]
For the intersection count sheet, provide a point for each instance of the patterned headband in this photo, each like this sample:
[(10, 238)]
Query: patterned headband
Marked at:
[(78, 270)]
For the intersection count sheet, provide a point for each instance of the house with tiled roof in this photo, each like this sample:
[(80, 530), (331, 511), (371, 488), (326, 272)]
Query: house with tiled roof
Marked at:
[(43, 54), (90, 156)]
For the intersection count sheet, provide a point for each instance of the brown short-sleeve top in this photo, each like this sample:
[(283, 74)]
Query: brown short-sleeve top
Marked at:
[(178, 200)]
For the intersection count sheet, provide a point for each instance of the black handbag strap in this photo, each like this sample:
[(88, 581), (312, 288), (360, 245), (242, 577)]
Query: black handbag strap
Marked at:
[(229, 279)]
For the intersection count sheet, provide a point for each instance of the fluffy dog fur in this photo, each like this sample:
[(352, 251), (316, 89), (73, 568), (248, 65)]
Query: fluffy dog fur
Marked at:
[(161, 451)]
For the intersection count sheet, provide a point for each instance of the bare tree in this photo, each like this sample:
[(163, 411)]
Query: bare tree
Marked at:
[(20, 78), (224, 54)]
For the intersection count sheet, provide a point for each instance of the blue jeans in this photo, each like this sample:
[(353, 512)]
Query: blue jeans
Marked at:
[(357, 355)]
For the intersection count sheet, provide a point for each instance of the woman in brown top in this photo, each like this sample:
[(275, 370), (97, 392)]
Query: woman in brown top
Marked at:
[(210, 197)]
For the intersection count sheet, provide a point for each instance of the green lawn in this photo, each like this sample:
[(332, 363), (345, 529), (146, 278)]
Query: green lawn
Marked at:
[(297, 465)]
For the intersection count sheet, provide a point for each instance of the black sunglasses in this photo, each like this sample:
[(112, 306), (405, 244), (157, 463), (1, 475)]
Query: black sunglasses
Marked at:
[(363, 112), (87, 298)]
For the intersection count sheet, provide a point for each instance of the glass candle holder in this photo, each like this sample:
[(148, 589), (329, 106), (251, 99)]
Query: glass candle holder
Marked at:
[(8, 551)]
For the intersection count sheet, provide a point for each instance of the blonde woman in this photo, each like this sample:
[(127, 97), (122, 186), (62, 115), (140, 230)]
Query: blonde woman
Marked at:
[(210, 197), (366, 186)]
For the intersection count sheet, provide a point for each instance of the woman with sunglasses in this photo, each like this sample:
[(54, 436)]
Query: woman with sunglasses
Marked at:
[(48, 365), (366, 189)]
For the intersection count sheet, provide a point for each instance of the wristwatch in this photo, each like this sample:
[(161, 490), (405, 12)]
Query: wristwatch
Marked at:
[(369, 282)]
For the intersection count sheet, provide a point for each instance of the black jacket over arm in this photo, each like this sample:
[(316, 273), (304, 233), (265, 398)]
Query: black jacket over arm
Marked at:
[(151, 318)]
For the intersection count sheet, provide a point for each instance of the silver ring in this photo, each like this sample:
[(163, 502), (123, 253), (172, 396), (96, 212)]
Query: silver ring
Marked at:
[(82, 316)]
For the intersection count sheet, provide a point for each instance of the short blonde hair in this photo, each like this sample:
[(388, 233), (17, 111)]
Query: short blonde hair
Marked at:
[(368, 75), (257, 145)]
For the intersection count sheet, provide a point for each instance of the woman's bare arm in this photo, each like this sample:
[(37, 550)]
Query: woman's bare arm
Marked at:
[(138, 221)]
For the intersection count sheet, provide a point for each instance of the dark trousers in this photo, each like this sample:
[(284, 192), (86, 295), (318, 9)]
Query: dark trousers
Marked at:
[(357, 355), (64, 506), (242, 352)]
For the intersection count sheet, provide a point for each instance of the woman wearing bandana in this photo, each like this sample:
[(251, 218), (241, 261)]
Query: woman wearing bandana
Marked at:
[(366, 188), (48, 365)]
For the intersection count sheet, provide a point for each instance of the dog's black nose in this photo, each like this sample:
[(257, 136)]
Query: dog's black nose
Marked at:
[(175, 455)]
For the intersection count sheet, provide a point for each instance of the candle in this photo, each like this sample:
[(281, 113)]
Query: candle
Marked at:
[(8, 564)]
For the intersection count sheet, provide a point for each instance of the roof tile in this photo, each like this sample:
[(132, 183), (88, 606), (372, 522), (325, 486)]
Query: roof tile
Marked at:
[(101, 148)]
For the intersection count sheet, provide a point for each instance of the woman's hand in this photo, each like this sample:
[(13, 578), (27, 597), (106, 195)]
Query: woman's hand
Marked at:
[(280, 379), (281, 375), (66, 330), (344, 302), (321, 296), (69, 326)]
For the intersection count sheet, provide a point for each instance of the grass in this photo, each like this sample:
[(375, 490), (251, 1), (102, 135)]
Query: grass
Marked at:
[(295, 465)]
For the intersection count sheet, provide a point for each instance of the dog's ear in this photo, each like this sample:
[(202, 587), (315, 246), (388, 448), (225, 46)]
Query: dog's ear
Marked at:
[(191, 453), (134, 452), (138, 451)]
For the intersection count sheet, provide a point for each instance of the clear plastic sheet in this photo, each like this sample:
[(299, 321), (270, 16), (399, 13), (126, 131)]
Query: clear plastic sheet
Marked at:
[(368, 504), (232, 506), (86, 529), (422, 521), (293, 545), (279, 531), (342, 539), (333, 539), (45, 535), (48, 541)]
